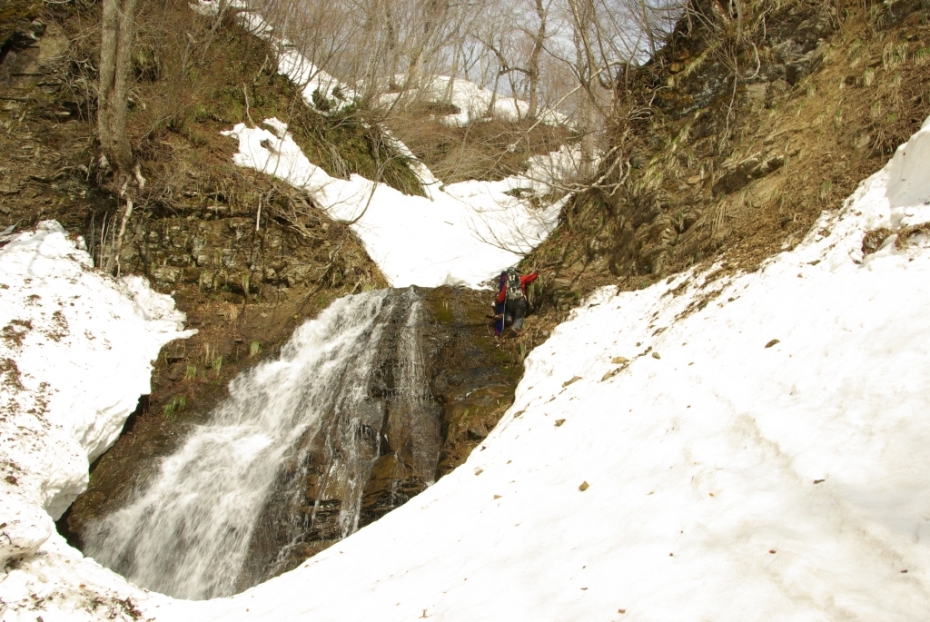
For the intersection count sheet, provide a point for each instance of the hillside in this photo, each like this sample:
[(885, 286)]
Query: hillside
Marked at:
[(728, 145)]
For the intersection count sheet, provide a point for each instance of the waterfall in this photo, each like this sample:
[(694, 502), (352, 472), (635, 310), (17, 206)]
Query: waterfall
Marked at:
[(284, 463)]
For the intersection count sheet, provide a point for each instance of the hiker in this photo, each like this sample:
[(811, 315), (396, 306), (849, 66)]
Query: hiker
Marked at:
[(500, 306), (511, 299)]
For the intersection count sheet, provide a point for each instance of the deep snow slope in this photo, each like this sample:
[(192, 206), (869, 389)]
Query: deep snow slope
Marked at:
[(712, 447), (75, 355)]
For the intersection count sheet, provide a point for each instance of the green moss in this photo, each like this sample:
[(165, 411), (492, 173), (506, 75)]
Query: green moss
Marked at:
[(442, 310)]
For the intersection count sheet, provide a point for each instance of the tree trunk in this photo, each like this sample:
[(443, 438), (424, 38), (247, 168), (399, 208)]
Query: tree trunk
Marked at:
[(118, 27), (532, 74)]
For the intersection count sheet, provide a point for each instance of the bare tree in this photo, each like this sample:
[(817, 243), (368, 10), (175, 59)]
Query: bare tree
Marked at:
[(518, 40), (118, 28)]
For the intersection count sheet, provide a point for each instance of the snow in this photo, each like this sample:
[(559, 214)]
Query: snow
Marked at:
[(729, 476), (314, 82), (75, 355), (463, 234), (908, 173), (474, 103)]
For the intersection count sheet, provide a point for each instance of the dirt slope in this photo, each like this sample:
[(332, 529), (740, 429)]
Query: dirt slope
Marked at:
[(727, 146)]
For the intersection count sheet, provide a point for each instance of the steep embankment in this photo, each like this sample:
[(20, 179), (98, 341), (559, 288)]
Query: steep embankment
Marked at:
[(729, 143)]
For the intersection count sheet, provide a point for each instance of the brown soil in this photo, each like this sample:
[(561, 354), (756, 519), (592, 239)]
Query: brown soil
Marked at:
[(489, 149)]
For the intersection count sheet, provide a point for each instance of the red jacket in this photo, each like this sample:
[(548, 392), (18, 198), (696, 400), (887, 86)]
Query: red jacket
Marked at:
[(524, 281)]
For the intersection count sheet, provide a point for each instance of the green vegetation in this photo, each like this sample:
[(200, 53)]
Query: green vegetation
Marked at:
[(177, 404)]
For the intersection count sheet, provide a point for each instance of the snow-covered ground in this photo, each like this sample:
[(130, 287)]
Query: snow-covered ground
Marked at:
[(75, 355), (474, 103), (762, 457), (463, 234)]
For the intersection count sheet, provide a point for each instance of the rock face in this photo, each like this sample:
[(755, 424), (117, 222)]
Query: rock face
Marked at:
[(437, 387), (436, 393), (228, 253)]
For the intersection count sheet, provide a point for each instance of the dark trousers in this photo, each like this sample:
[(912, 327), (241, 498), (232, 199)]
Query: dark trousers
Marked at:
[(514, 312)]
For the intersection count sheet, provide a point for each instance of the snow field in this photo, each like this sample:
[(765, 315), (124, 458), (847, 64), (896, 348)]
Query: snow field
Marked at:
[(464, 235)]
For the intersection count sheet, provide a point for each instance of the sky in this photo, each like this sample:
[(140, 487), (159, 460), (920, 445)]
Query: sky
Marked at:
[(715, 446)]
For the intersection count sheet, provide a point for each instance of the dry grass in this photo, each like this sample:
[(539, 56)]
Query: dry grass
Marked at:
[(485, 150)]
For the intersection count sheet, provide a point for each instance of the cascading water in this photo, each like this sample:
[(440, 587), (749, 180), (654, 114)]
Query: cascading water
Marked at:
[(285, 460)]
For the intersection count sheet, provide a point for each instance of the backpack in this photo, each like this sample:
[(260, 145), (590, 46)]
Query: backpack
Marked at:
[(514, 291)]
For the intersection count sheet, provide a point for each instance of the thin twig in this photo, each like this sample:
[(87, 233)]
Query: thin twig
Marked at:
[(247, 113)]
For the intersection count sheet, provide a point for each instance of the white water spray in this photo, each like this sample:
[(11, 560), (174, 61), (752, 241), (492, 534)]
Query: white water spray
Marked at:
[(188, 530)]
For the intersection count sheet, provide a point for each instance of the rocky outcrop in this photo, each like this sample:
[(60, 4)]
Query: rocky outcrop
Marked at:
[(231, 254), (33, 55)]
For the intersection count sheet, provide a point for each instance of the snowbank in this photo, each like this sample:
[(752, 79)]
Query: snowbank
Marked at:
[(462, 235), (763, 457), (474, 103), (75, 355)]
